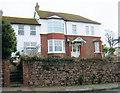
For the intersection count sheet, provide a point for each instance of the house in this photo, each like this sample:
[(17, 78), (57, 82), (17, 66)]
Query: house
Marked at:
[(58, 34)]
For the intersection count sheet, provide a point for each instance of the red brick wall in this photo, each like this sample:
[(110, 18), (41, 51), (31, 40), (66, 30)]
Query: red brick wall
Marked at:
[(25, 74), (55, 36), (44, 45), (88, 48), (6, 73)]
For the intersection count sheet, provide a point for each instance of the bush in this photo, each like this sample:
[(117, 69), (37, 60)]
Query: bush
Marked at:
[(99, 80), (17, 53), (81, 79), (108, 58), (93, 78)]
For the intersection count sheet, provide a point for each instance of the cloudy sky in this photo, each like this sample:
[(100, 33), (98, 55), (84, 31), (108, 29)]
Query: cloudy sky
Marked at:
[(103, 11)]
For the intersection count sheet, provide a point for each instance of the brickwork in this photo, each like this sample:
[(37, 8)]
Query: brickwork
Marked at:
[(6, 73), (44, 45), (86, 49)]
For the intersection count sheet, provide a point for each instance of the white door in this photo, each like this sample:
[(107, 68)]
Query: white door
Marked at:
[(75, 50)]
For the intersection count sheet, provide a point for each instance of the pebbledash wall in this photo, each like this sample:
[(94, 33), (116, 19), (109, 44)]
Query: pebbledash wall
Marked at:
[(65, 73)]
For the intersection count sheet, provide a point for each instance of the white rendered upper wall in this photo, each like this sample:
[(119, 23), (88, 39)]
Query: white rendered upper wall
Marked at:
[(26, 37), (80, 27)]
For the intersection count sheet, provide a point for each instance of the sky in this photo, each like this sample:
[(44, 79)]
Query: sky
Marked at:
[(103, 11)]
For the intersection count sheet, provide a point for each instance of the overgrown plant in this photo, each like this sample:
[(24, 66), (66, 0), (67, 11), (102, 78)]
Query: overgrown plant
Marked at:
[(93, 78), (81, 79), (108, 58)]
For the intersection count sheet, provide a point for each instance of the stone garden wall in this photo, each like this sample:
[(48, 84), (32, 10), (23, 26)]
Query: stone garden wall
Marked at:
[(71, 73)]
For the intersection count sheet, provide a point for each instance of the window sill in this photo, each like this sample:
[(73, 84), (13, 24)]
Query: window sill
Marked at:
[(55, 52), (97, 52)]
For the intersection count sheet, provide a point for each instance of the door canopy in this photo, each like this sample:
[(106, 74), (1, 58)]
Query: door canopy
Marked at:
[(76, 40)]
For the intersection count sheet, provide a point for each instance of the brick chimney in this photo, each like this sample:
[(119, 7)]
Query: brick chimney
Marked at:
[(37, 7)]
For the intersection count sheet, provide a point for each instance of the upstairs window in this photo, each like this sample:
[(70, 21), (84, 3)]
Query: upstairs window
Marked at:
[(87, 30), (55, 27), (32, 30), (97, 47), (92, 30), (20, 30), (74, 29)]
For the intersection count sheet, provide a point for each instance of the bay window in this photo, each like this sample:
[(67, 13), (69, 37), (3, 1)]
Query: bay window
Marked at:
[(56, 46), (55, 27)]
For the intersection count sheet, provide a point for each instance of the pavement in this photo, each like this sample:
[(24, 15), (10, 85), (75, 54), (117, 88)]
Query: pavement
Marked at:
[(92, 87)]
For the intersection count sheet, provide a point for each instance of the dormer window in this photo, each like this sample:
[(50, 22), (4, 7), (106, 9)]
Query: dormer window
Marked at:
[(55, 27)]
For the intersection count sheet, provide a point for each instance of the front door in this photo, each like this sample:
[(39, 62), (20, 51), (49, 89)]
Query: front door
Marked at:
[(75, 50)]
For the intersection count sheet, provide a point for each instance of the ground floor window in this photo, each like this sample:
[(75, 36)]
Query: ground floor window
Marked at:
[(56, 46), (97, 47)]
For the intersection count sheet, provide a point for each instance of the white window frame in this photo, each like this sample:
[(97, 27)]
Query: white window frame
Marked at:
[(32, 30), (19, 29), (30, 44), (53, 46), (92, 30), (97, 49), (87, 30), (51, 29), (74, 30)]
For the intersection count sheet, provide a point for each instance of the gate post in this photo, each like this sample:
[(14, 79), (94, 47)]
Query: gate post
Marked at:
[(25, 74), (6, 73)]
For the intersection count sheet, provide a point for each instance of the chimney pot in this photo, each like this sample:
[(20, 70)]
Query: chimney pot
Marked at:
[(37, 7)]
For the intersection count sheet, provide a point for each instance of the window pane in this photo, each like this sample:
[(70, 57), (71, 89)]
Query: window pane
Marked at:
[(92, 30), (87, 30), (56, 27), (96, 46), (63, 45), (20, 27), (32, 28), (58, 45), (33, 43), (74, 49), (32, 32), (74, 29), (50, 45), (26, 44), (20, 32)]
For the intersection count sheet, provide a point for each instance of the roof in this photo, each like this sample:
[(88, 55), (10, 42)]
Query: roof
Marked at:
[(19, 20), (66, 16), (76, 39)]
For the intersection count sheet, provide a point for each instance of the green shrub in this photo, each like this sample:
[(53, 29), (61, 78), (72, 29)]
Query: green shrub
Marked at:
[(109, 58), (17, 53), (80, 80), (93, 78), (99, 80), (67, 78)]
